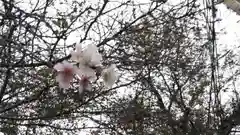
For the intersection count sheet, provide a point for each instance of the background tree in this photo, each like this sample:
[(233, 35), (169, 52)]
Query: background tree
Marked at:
[(171, 76)]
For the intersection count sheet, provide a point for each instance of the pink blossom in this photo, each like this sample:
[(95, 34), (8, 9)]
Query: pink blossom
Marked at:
[(66, 72)]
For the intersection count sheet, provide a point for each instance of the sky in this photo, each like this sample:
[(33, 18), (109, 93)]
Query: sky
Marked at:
[(228, 29)]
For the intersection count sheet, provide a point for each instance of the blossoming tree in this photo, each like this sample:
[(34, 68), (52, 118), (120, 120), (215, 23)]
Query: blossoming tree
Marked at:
[(114, 67)]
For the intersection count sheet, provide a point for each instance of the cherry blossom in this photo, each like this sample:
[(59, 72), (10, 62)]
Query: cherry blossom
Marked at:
[(78, 54), (109, 75), (92, 56), (88, 67), (86, 76), (66, 72), (84, 84), (88, 56), (87, 72)]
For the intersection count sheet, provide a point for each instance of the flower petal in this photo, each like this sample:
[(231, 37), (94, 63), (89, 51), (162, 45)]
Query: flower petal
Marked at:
[(84, 87), (87, 71), (68, 65), (64, 81), (59, 77), (96, 59), (79, 48), (59, 67), (92, 48), (80, 89), (74, 56), (64, 85), (65, 74), (77, 54), (109, 76)]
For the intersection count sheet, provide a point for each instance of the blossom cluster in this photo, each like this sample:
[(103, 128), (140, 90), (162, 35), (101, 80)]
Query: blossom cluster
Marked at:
[(86, 68)]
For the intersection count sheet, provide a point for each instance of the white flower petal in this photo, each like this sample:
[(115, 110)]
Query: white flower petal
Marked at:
[(84, 87), (75, 70), (87, 71), (74, 56), (80, 89), (77, 55), (67, 64), (64, 77), (64, 85), (92, 48), (96, 59), (79, 48), (109, 76), (87, 56), (64, 82), (59, 77), (59, 67)]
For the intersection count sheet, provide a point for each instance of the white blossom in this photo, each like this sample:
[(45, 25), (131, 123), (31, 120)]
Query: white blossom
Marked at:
[(85, 71), (91, 56), (78, 54), (109, 75), (88, 56), (85, 84), (66, 72), (86, 76)]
